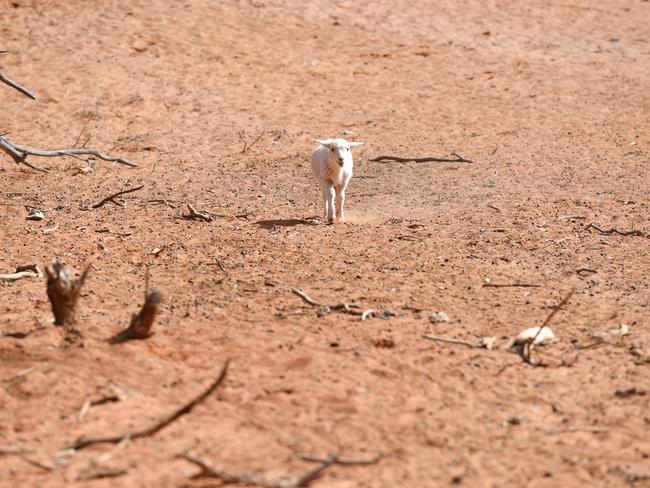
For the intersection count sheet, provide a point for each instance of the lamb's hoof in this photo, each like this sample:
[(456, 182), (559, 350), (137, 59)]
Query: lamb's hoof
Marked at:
[(330, 221)]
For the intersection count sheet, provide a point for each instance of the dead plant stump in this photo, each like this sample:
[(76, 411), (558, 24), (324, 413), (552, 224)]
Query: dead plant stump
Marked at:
[(63, 293)]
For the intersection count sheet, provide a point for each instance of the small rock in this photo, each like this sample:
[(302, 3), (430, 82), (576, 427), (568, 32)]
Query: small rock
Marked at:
[(438, 317), (347, 132), (622, 330), (628, 392), (544, 337), (385, 342), (488, 343), (34, 214)]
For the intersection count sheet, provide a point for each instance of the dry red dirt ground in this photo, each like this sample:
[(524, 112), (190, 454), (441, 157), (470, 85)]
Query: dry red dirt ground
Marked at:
[(549, 99)]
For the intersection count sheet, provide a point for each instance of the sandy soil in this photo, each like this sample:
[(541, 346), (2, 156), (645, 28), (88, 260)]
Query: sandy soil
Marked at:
[(549, 99)]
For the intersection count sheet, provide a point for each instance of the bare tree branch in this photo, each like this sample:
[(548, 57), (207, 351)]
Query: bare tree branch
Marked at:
[(459, 159), (111, 198), (5, 79), (83, 442), (19, 154), (211, 470)]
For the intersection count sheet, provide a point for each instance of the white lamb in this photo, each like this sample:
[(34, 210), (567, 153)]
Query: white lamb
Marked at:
[(331, 164)]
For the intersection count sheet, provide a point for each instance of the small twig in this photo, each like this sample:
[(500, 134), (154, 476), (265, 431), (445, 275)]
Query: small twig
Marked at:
[(342, 462), (209, 469), (339, 307), (462, 342), (17, 450), (197, 214), (631, 476), (613, 230), (5, 79), (111, 198), (84, 442), (580, 271), (219, 263), (79, 137), (459, 159), (493, 207), (579, 428), (101, 472), (248, 147), (572, 217), (510, 285)]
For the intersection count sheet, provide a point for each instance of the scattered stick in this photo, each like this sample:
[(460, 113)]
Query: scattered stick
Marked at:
[(462, 342), (525, 348), (84, 442), (325, 309), (510, 285), (581, 271), (613, 230), (218, 263), (64, 293), (28, 271), (17, 450), (342, 462), (141, 323), (19, 154), (111, 198), (197, 214), (579, 428), (247, 147), (209, 469), (8, 81), (631, 476), (572, 217), (459, 159), (101, 472)]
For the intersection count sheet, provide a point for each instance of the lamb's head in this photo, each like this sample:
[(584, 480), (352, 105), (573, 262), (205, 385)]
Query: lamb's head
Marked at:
[(339, 150)]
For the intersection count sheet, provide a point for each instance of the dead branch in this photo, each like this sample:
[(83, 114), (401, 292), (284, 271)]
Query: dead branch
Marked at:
[(8, 81), (579, 428), (510, 285), (28, 271), (631, 476), (342, 462), (64, 293), (209, 469), (84, 442), (581, 271), (462, 342), (325, 309), (21, 452), (19, 154), (246, 146), (101, 472), (197, 214), (141, 323), (111, 198), (459, 159), (613, 230)]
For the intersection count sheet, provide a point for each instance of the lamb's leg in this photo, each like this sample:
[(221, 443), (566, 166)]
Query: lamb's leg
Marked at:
[(340, 202), (326, 202), (330, 202)]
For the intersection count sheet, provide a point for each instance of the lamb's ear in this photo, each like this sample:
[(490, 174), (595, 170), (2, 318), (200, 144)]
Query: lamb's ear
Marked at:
[(353, 144), (324, 142)]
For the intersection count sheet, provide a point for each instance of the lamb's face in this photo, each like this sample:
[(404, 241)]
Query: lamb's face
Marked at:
[(340, 151)]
